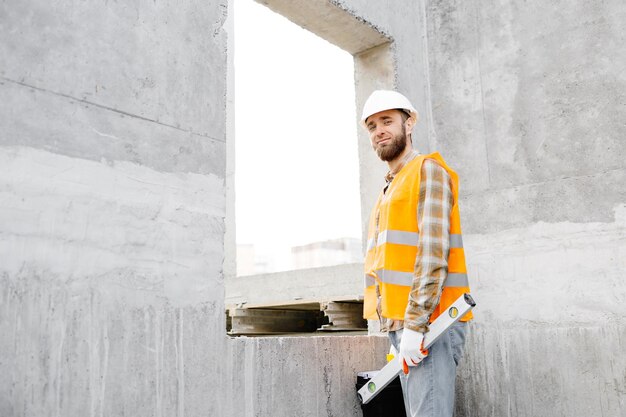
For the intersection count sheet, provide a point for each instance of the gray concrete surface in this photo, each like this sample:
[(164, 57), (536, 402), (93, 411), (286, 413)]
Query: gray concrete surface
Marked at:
[(528, 103), (301, 376), (303, 284), (112, 206), (114, 189)]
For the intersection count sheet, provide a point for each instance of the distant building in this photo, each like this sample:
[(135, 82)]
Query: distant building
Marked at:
[(326, 253), (316, 254), (249, 262)]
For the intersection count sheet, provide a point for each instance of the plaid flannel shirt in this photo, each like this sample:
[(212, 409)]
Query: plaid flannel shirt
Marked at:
[(431, 261)]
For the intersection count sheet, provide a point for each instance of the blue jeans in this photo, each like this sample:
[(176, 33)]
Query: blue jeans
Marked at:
[(429, 387)]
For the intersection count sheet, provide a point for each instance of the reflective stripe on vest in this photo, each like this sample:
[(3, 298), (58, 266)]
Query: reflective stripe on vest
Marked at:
[(400, 237)]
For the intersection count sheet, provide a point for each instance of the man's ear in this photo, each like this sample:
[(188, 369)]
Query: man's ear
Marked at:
[(409, 124)]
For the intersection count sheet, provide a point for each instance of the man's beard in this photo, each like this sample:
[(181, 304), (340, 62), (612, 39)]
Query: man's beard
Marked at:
[(394, 149)]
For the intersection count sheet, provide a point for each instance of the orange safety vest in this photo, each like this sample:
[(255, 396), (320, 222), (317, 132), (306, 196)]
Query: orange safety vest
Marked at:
[(392, 246)]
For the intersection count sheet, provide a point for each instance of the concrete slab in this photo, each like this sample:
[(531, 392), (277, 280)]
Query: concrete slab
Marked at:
[(117, 225), (158, 61), (324, 17), (102, 134), (303, 284)]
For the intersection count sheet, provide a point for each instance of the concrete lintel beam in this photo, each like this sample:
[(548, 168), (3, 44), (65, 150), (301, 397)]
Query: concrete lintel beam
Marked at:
[(329, 20)]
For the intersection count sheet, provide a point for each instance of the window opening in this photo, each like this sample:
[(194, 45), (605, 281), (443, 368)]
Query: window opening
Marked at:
[(296, 159)]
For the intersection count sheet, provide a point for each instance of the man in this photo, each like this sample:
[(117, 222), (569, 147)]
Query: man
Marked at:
[(415, 264)]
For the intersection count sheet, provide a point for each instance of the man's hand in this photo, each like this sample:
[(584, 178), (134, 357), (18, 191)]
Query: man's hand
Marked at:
[(411, 347)]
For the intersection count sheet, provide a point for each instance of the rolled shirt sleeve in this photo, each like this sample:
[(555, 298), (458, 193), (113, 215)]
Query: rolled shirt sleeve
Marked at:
[(431, 262)]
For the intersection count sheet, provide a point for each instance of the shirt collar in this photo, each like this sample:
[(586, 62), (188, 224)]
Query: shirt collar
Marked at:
[(408, 158)]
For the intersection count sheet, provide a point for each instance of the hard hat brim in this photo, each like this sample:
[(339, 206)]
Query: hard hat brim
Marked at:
[(412, 113)]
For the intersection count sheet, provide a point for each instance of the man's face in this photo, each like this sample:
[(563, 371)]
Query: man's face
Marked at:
[(388, 134)]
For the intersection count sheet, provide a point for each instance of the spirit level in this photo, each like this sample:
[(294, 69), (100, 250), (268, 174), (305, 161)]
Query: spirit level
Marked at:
[(383, 377)]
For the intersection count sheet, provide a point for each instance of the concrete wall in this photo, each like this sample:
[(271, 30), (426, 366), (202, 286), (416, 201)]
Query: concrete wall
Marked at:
[(112, 144), (113, 190), (528, 101)]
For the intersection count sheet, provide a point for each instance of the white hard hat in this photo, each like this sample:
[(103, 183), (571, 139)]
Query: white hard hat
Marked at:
[(381, 100)]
